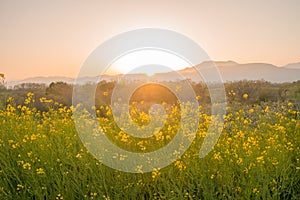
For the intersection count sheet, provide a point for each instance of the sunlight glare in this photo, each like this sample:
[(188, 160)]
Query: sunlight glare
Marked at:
[(131, 62)]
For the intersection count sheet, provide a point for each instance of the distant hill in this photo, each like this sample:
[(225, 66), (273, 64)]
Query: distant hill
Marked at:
[(258, 71), (229, 71), (293, 66), (40, 80), (50, 79), (232, 71)]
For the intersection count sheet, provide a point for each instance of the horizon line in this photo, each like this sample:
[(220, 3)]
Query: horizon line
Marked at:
[(141, 73)]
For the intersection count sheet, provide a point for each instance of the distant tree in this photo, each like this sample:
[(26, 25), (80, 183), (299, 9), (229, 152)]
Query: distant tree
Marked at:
[(103, 93), (60, 92), (2, 79), (202, 92), (32, 86)]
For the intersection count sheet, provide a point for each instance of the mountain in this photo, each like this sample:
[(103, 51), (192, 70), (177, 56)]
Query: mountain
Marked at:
[(258, 71), (41, 80), (82, 80), (229, 71), (292, 66), (232, 71)]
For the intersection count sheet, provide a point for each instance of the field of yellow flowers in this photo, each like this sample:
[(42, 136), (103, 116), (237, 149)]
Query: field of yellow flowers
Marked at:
[(256, 157)]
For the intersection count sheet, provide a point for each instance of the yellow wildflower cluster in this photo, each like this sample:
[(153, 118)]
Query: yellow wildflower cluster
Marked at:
[(258, 149)]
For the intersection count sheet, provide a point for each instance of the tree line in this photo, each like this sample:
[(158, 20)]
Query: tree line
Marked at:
[(243, 92)]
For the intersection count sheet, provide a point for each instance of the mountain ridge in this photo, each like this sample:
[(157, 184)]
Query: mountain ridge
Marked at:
[(229, 71)]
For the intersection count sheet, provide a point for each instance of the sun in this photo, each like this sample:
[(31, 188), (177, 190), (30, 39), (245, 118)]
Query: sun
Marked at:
[(147, 61)]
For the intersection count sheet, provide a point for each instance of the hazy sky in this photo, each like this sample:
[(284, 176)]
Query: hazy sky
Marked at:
[(46, 38)]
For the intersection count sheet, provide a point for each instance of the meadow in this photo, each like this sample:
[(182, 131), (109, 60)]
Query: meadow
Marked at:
[(256, 157)]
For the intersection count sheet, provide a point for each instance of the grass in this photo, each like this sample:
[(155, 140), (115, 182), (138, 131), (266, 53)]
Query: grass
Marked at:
[(256, 157)]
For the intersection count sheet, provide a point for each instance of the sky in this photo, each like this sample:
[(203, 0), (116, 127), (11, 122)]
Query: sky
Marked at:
[(53, 38)]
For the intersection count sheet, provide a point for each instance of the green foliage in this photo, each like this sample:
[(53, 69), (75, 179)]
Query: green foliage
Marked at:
[(60, 92), (257, 157), (257, 92)]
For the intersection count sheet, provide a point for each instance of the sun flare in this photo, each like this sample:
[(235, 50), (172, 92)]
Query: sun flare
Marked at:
[(148, 62)]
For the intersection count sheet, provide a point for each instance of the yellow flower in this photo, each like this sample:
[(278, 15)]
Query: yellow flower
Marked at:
[(45, 100), (30, 94), (33, 137), (260, 159), (266, 109), (26, 166), (93, 194), (29, 98), (245, 96), (124, 138), (139, 169), (40, 171), (10, 99), (255, 190), (20, 187), (59, 197), (239, 161), (155, 173), (180, 165), (217, 156)]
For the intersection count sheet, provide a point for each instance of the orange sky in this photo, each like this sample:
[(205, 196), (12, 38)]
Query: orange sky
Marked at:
[(39, 38)]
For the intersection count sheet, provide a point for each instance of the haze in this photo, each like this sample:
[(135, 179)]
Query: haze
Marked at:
[(48, 38)]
